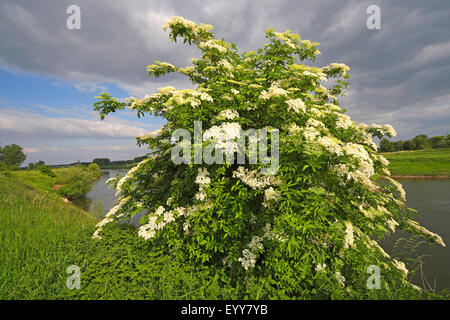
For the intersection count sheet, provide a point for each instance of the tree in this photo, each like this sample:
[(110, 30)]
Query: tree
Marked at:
[(13, 155), (300, 228), (438, 142), (386, 145), (102, 161), (420, 142)]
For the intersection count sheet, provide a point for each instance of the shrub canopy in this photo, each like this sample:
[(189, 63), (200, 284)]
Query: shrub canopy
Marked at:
[(305, 231)]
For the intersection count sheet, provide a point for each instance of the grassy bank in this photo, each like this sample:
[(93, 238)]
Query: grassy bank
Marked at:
[(433, 162), (38, 240), (41, 235)]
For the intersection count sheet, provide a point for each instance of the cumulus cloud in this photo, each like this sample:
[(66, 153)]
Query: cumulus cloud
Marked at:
[(16, 123)]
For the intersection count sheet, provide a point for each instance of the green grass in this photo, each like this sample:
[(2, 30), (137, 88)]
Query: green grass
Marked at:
[(41, 235), (433, 162), (38, 239)]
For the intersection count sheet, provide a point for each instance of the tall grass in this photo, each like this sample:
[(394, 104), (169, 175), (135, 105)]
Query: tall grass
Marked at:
[(38, 240)]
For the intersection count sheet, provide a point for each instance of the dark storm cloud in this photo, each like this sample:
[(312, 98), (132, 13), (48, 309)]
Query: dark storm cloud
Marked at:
[(397, 73)]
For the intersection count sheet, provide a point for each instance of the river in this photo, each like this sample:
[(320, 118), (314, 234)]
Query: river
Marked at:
[(431, 198)]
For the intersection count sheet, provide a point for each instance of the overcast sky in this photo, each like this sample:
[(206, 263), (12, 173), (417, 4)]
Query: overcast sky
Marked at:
[(49, 75)]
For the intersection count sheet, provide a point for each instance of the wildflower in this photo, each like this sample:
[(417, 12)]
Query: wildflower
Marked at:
[(296, 105), (348, 240), (320, 267)]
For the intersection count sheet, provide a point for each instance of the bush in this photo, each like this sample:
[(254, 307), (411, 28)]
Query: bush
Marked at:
[(76, 182), (94, 168), (44, 169), (305, 230)]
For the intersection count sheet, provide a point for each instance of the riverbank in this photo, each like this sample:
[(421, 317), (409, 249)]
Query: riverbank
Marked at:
[(423, 164), (42, 235)]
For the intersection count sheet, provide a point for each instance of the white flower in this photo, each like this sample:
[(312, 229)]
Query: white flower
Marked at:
[(248, 260), (392, 224), (348, 240), (390, 130), (340, 278), (425, 231), (343, 121), (212, 45), (342, 67), (320, 267), (296, 104), (270, 194), (228, 114), (225, 136), (400, 266), (273, 91), (254, 178)]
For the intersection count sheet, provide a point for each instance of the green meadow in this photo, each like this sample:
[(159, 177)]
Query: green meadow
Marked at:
[(429, 162)]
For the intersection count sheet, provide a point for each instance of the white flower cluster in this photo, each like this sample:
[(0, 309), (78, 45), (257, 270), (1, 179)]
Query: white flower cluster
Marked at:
[(387, 129), (202, 180), (400, 266), (228, 114), (296, 104), (270, 195), (342, 67), (254, 179), (392, 224), (225, 64), (188, 24), (248, 260), (330, 144), (349, 239), (283, 36), (158, 220), (320, 267), (212, 45), (358, 152), (273, 91), (225, 136), (343, 121), (425, 231), (191, 96), (340, 278), (129, 175), (398, 186), (320, 75)]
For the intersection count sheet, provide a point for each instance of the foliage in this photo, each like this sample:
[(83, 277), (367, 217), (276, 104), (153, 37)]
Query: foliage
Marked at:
[(3, 166), (12, 155), (306, 231), (44, 169), (102, 161), (76, 181)]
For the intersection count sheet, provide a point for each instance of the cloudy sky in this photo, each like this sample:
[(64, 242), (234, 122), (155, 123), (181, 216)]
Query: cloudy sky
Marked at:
[(49, 75)]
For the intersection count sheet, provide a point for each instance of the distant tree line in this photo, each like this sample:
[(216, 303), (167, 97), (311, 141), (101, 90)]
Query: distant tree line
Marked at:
[(106, 163), (417, 143)]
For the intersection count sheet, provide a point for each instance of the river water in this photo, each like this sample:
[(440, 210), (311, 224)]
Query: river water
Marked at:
[(431, 198)]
